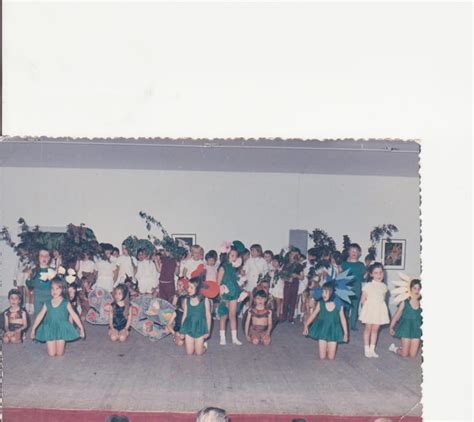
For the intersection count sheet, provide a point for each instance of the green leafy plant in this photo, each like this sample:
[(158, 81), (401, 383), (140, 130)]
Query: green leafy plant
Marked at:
[(384, 231), (323, 243), (133, 244)]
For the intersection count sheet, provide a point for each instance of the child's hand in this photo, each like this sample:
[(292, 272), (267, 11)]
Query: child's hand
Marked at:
[(32, 334), (305, 331), (248, 339), (346, 338), (206, 336), (82, 334), (391, 331)]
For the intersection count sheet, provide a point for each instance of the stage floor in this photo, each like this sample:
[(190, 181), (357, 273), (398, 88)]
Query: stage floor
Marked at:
[(143, 376)]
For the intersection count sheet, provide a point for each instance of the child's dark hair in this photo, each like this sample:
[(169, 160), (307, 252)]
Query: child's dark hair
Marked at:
[(268, 252), (415, 282), (197, 282), (124, 289), (313, 252), (260, 293), (115, 250), (278, 258), (212, 254), (371, 269), (140, 251), (355, 246), (257, 248), (17, 293), (330, 288), (337, 256)]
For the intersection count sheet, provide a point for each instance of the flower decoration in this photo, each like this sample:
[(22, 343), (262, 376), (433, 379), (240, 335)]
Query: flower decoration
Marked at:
[(401, 291), (237, 263), (70, 279), (225, 246), (70, 271), (61, 270), (243, 296)]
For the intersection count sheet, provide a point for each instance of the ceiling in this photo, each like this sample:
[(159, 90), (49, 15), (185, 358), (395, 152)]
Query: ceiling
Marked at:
[(358, 157)]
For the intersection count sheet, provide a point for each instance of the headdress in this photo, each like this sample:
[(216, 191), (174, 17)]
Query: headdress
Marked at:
[(401, 291), (342, 291)]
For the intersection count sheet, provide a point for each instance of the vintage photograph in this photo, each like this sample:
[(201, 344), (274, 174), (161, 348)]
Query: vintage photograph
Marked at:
[(112, 303)]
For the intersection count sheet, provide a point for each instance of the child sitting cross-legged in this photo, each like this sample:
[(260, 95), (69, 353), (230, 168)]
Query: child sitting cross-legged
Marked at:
[(258, 325)]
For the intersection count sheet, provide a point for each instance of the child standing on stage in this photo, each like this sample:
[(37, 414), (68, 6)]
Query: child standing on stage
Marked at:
[(268, 257), (146, 272), (258, 325), (125, 266), (276, 284), (196, 323), (374, 311), (227, 277), (406, 323), (106, 269), (14, 319), (167, 268), (55, 330), (294, 275), (41, 287), (20, 278), (329, 326), (255, 267), (121, 317), (86, 267), (190, 265), (356, 269), (211, 266)]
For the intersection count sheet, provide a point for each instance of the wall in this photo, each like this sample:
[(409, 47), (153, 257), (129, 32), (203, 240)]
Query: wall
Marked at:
[(260, 207)]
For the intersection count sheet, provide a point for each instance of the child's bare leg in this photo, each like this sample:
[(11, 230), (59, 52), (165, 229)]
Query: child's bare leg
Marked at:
[(414, 347), (266, 340), (332, 347), (233, 314), (322, 349), (404, 349), (60, 346), (222, 322), (15, 338), (373, 334), (178, 339), (189, 344), (367, 331), (51, 348), (6, 338), (123, 335), (199, 346), (113, 334)]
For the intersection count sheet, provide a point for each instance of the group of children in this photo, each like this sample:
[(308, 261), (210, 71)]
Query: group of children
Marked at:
[(263, 288)]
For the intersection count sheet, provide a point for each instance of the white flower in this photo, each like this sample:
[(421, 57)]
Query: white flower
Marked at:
[(44, 276), (242, 296), (70, 279), (51, 274), (71, 272), (61, 270), (224, 289), (237, 263)]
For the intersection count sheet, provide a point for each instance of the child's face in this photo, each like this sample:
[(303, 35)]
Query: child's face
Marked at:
[(56, 253), (264, 286), (267, 257), (86, 257), (311, 258), (180, 287), (124, 251), (233, 255), (377, 274), (354, 254), (14, 300), (115, 254), (416, 291), (44, 258), (141, 256), (211, 262), (275, 264), (108, 253), (118, 295), (326, 295), (254, 253), (196, 254), (71, 292), (259, 301), (166, 252), (191, 289), (55, 290)]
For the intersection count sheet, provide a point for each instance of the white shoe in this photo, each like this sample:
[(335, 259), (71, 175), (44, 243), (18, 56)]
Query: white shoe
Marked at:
[(367, 353), (236, 342), (372, 352), (206, 345), (393, 348), (222, 342)]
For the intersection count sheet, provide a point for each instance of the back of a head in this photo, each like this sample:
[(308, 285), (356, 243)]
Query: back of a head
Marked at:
[(116, 418), (211, 414)]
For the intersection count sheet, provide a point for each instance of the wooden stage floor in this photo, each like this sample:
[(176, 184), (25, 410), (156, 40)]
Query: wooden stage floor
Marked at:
[(143, 376)]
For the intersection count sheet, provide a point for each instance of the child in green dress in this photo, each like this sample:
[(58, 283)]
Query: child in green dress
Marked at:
[(330, 326), (52, 324), (406, 323), (196, 321)]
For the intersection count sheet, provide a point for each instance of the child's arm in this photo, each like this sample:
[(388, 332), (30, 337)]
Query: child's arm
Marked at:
[(363, 298), (170, 325), (129, 319), (247, 325), (37, 322), (396, 317), (270, 322), (76, 320), (208, 317), (344, 324), (311, 318), (185, 312), (116, 271), (5, 322), (220, 276), (24, 322)]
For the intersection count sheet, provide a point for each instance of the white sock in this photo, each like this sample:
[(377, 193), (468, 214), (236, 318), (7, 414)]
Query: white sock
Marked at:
[(235, 340), (367, 352), (372, 351), (222, 335), (393, 348)]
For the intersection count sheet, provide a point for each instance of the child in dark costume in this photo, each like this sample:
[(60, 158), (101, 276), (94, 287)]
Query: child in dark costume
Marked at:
[(14, 318), (258, 324)]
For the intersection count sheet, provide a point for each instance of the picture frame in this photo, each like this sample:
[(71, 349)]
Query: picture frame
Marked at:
[(188, 239), (393, 254)]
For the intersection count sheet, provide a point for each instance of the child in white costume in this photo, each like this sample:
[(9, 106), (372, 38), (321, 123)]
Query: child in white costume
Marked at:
[(255, 267), (125, 266), (106, 271), (146, 273), (190, 265)]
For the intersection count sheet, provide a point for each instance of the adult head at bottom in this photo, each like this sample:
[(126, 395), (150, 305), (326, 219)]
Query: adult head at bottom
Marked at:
[(115, 418), (211, 414)]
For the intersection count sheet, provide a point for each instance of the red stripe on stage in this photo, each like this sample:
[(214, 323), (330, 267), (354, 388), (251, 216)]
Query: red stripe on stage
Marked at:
[(63, 415)]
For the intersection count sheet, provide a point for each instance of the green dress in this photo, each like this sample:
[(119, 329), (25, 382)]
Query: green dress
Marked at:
[(230, 281), (56, 325), (327, 325), (195, 324), (42, 289), (409, 324)]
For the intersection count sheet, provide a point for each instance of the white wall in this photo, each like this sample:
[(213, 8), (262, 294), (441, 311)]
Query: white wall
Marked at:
[(252, 207)]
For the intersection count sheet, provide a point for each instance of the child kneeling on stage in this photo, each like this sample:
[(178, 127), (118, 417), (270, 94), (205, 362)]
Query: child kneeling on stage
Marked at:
[(120, 318), (330, 325), (258, 325)]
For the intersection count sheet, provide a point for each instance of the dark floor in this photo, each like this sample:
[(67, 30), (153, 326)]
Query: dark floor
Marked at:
[(141, 375)]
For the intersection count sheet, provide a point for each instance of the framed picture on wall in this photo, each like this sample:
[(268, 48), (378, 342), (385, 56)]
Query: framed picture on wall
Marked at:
[(188, 239), (393, 254)]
